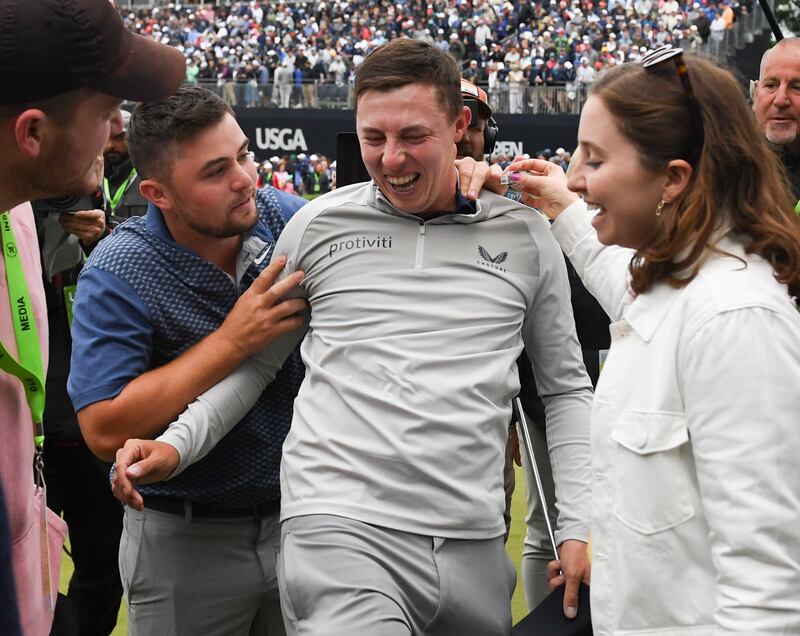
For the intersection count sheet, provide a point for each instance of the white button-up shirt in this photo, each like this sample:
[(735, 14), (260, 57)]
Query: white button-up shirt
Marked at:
[(695, 447)]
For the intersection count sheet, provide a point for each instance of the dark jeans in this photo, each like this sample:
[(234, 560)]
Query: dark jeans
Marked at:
[(78, 487)]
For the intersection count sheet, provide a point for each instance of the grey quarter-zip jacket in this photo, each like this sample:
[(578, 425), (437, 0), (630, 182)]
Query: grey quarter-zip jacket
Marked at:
[(410, 351)]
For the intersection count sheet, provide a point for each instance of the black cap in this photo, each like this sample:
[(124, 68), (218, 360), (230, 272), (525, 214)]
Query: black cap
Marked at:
[(49, 47)]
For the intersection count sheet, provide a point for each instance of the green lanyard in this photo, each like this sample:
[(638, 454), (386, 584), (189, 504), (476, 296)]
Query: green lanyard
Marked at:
[(316, 182), (29, 369), (115, 200)]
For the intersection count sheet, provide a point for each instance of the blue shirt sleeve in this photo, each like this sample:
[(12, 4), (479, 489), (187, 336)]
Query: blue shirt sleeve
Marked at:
[(112, 338), (290, 203)]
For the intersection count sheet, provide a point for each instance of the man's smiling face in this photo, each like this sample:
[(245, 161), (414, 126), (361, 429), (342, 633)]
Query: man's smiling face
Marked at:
[(408, 146)]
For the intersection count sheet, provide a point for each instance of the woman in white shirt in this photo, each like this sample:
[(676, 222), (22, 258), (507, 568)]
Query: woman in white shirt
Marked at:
[(693, 249)]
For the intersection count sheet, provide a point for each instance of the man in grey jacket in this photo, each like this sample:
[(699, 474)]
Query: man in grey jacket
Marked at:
[(392, 488)]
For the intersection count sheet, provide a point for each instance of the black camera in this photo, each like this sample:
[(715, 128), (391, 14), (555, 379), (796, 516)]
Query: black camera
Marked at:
[(350, 166), (64, 205)]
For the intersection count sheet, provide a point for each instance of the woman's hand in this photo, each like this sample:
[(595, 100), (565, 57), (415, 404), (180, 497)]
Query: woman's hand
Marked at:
[(544, 185)]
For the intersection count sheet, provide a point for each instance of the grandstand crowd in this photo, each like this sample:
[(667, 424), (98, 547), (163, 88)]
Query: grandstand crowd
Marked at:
[(301, 54)]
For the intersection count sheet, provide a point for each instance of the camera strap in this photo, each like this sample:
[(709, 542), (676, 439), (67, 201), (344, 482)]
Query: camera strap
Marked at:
[(115, 200), (29, 369)]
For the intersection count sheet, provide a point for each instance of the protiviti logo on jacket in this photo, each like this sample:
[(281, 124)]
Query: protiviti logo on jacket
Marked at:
[(360, 243), (493, 262)]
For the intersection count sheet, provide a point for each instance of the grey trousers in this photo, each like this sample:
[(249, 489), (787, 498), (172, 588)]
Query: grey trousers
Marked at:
[(209, 577), (340, 576), (536, 551)]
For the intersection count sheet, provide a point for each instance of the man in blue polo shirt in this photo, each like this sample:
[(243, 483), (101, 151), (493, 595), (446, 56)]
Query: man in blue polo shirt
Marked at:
[(162, 314)]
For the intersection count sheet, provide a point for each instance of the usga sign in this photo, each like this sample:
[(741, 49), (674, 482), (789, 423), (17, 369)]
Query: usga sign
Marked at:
[(280, 139)]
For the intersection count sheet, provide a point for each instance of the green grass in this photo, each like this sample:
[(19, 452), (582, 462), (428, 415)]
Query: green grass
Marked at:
[(519, 608), (513, 547)]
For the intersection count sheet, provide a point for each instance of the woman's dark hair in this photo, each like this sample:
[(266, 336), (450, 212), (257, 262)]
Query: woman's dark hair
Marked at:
[(737, 180)]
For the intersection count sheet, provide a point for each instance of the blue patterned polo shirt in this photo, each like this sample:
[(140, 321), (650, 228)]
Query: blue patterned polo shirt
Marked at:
[(142, 301)]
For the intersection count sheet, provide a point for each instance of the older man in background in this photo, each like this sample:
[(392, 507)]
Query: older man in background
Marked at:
[(776, 103)]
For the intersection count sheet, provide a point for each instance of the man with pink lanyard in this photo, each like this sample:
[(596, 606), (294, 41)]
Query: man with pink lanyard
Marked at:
[(53, 128)]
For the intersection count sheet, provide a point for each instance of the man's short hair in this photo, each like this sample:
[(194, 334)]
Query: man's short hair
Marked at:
[(402, 62), (156, 128)]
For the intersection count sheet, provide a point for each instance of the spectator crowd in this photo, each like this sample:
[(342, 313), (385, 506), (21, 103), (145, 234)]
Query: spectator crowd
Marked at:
[(304, 54), (306, 175)]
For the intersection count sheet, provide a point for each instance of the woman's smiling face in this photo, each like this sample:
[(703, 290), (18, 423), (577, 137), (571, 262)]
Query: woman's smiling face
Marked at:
[(611, 176)]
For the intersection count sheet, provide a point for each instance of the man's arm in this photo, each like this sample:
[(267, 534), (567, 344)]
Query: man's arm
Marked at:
[(148, 402), (552, 345), (199, 428), (214, 413)]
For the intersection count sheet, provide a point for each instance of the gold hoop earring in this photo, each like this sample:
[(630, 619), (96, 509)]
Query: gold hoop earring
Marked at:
[(660, 207)]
